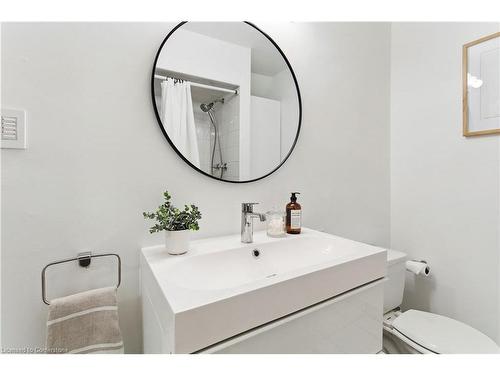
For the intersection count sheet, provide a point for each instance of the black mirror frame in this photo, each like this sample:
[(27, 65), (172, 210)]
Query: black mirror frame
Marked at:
[(175, 148)]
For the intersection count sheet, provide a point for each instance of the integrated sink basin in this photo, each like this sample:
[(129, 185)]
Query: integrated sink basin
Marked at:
[(253, 264), (222, 288)]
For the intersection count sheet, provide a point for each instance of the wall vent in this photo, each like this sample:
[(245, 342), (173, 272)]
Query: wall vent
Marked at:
[(9, 128), (13, 128)]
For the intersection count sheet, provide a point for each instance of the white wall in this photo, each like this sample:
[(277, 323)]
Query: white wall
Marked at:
[(97, 158), (445, 188), (260, 84), (205, 57)]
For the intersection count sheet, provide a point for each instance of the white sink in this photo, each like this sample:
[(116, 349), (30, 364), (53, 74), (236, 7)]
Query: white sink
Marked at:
[(239, 267), (220, 289)]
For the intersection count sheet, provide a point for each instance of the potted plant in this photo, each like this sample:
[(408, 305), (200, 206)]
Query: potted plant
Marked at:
[(176, 224)]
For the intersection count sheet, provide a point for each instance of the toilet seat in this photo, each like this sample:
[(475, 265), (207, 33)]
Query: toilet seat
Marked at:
[(432, 333)]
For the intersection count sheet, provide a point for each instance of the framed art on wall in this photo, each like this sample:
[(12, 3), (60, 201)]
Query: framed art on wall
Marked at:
[(481, 86)]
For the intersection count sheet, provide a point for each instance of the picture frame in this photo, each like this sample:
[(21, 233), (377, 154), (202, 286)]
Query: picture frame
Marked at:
[(481, 86)]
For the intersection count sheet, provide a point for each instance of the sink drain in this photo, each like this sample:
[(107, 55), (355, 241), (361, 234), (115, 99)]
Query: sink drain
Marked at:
[(256, 253)]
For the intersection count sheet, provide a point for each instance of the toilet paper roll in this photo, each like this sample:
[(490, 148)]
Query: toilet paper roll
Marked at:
[(418, 267)]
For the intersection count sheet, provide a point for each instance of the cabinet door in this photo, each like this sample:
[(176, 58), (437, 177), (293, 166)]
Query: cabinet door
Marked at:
[(349, 323)]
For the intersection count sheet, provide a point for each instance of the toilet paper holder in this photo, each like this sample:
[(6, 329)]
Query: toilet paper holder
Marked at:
[(418, 267)]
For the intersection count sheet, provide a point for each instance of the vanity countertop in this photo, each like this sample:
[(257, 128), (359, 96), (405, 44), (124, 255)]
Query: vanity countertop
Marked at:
[(196, 279), (220, 288)]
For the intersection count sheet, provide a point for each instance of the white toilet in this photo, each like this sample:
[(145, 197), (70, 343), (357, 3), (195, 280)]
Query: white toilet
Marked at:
[(420, 332)]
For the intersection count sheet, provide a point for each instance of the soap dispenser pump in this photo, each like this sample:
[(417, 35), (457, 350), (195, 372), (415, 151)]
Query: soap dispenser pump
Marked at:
[(293, 215)]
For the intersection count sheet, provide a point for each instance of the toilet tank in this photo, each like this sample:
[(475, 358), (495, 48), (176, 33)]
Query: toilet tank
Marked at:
[(395, 285)]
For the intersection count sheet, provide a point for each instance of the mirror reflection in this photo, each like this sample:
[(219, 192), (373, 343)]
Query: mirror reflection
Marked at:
[(226, 99)]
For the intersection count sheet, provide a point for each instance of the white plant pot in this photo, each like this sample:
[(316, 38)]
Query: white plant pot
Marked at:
[(177, 241)]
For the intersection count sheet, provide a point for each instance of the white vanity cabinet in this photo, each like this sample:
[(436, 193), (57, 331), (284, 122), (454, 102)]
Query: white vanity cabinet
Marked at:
[(313, 293), (349, 323)]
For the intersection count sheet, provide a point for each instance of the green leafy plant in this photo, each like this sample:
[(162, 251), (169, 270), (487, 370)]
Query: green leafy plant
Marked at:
[(171, 218)]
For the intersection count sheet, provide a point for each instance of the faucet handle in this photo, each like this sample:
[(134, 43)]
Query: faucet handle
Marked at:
[(247, 207)]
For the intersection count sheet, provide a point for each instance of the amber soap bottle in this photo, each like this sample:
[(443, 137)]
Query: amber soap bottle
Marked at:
[(293, 215)]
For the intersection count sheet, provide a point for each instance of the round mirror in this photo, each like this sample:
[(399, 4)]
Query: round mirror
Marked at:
[(226, 99)]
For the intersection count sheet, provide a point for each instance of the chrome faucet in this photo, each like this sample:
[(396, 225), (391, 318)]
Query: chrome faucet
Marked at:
[(247, 215)]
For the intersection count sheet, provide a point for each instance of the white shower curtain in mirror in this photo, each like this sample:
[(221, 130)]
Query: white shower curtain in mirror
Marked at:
[(177, 118)]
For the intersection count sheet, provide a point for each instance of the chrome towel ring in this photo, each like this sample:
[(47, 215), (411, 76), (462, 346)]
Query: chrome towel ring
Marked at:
[(84, 260)]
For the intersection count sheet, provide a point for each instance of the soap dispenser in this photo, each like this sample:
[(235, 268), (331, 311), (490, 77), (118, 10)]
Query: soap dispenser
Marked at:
[(293, 215)]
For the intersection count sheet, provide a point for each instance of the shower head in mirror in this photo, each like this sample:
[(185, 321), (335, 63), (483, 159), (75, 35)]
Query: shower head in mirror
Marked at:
[(207, 107)]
